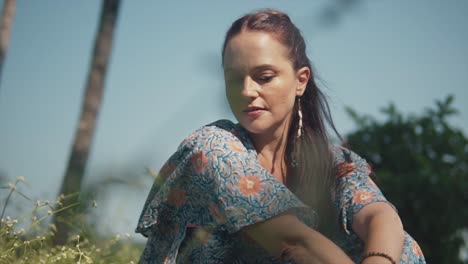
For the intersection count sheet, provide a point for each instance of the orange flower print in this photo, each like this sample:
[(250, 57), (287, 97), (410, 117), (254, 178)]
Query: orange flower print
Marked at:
[(249, 185), (362, 197), (235, 146), (345, 169), (199, 161), (417, 250), (176, 197)]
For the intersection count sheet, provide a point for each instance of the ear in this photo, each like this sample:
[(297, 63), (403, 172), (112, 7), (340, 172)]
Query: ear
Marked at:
[(302, 75)]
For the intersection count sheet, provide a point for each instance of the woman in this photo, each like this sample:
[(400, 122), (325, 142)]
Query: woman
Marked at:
[(270, 189)]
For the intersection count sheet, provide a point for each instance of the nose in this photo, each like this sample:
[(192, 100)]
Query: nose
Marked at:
[(250, 88)]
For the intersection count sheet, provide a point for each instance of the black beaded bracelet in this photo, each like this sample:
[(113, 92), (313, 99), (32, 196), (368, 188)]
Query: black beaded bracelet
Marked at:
[(378, 254)]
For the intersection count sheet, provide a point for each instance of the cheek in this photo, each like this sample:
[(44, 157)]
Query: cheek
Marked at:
[(283, 95), (233, 98), (285, 103)]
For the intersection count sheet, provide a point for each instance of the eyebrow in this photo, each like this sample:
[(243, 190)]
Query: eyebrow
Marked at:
[(256, 68), (264, 67)]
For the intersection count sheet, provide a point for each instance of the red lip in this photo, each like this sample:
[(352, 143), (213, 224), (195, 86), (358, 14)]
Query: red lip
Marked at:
[(253, 109)]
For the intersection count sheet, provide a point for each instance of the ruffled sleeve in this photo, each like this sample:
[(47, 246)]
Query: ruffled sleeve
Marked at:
[(164, 215), (243, 191), (355, 189), (212, 180)]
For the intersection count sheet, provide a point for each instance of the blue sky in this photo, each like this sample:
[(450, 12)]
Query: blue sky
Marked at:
[(165, 79)]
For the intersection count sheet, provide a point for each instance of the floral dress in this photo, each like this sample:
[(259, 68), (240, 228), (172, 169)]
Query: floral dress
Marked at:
[(214, 185)]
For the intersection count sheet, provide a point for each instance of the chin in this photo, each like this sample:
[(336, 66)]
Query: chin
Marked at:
[(255, 126)]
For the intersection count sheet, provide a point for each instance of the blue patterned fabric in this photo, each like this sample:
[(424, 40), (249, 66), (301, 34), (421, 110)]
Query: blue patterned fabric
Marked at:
[(214, 185)]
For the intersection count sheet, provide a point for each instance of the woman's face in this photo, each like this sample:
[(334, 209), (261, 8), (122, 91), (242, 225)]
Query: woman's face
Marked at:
[(261, 84)]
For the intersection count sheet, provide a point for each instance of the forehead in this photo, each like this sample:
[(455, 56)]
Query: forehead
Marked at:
[(252, 48)]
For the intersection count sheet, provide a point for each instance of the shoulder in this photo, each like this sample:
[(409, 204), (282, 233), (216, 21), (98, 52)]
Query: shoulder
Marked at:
[(220, 132), (347, 161), (343, 154)]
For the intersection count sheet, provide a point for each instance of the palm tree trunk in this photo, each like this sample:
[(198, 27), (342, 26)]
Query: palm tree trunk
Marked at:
[(5, 30), (73, 178)]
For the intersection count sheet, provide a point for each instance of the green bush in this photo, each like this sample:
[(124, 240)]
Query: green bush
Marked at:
[(421, 164)]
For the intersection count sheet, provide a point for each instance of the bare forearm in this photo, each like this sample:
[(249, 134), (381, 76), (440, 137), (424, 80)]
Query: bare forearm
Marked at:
[(316, 249), (286, 237), (384, 234)]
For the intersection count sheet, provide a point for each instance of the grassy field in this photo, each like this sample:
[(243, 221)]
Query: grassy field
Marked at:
[(29, 238)]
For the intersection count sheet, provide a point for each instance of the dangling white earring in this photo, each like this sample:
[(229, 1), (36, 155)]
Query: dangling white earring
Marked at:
[(299, 113), (295, 154)]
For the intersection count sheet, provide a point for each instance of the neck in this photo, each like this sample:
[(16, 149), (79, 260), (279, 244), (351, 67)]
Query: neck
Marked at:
[(271, 147)]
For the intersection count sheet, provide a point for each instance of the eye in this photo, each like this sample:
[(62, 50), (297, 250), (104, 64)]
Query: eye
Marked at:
[(265, 78)]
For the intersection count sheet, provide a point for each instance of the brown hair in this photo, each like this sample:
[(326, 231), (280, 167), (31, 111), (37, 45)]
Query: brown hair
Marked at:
[(311, 175)]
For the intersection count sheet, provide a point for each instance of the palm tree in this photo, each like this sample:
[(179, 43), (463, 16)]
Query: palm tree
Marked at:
[(5, 29), (73, 178)]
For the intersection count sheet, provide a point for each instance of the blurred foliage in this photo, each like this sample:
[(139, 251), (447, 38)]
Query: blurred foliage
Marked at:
[(28, 238), (333, 12), (422, 167)]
